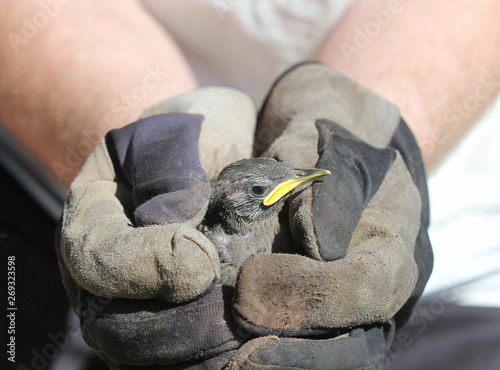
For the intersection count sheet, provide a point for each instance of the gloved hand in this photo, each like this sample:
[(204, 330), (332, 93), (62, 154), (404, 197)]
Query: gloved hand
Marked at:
[(129, 251), (363, 229)]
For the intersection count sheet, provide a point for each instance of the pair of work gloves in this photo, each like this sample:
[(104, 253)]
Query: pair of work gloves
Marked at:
[(144, 280)]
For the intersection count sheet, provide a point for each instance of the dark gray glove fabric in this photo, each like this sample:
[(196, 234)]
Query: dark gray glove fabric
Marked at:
[(361, 348), (159, 157), (143, 333), (359, 170)]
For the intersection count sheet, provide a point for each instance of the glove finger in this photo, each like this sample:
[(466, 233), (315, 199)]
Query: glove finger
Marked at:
[(159, 158), (325, 224), (110, 258), (362, 348)]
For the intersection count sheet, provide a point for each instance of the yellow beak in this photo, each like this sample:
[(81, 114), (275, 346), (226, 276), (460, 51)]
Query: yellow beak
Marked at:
[(302, 176)]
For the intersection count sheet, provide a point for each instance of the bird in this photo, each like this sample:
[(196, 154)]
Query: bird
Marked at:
[(243, 215)]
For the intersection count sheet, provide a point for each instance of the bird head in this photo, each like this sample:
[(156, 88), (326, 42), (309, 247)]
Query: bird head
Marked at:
[(251, 190)]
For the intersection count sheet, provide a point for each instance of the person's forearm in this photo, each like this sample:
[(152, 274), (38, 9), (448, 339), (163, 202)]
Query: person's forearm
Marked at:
[(438, 61), (71, 71)]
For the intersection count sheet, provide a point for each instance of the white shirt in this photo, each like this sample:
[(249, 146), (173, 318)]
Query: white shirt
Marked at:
[(247, 43), (465, 216)]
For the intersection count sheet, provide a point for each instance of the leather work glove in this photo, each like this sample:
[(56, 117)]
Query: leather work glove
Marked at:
[(363, 229), (139, 275)]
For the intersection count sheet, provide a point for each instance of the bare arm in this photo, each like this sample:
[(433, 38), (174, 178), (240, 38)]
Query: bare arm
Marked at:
[(75, 69), (438, 61)]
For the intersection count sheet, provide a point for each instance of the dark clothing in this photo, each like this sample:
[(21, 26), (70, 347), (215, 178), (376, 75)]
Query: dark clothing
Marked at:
[(27, 234), (443, 336), (40, 330)]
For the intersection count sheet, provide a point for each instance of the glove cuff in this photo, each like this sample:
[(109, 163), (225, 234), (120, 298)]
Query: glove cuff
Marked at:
[(228, 125)]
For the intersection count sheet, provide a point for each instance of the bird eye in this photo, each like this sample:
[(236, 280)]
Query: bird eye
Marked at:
[(259, 190)]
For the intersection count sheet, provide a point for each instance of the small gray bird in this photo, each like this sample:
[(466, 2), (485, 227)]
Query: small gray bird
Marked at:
[(244, 207)]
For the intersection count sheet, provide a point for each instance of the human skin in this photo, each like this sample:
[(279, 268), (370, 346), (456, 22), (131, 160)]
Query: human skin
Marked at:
[(438, 61), (82, 69), (95, 65)]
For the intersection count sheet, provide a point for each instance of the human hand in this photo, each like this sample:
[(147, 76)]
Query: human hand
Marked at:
[(130, 254), (363, 229)]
